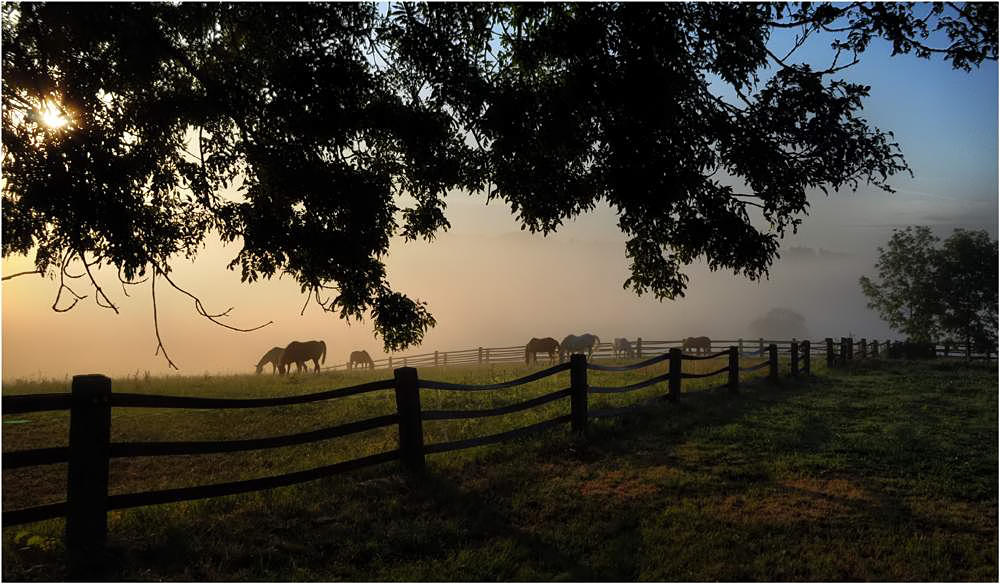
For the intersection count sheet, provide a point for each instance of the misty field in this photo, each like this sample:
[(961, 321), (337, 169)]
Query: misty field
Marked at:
[(884, 471)]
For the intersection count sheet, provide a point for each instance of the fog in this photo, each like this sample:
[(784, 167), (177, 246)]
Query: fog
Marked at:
[(489, 284), (486, 283)]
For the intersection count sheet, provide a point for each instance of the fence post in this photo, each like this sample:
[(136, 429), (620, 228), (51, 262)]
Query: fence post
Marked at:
[(829, 352), (578, 392), (446, 357), (762, 346), (390, 362), (638, 348), (87, 475), (806, 356), (850, 348), (741, 346), (772, 360), (734, 369), (675, 374), (875, 348), (411, 432), (435, 358), (480, 355), (487, 354), (795, 358), (864, 348), (842, 359)]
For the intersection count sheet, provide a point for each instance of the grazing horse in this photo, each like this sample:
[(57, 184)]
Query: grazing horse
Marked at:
[(578, 344), (299, 353), (535, 346), (362, 358), (697, 345), (273, 357), (623, 348)]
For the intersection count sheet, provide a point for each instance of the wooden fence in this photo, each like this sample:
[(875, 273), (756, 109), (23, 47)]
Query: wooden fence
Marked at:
[(643, 348), (90, 448), (514, 354)]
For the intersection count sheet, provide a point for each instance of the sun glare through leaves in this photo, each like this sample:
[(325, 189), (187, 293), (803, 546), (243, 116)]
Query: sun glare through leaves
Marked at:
[(52, 115)]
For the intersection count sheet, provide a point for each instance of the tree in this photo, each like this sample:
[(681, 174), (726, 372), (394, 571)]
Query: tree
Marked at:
[(967, 275), (926, 291), (906, 295), (780, 323), (341, 125)]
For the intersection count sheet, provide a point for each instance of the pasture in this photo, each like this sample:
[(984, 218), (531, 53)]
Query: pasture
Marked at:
[(883, 471)]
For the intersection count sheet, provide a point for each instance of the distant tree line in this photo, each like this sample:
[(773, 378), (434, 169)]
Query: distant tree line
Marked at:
[(780, 323)]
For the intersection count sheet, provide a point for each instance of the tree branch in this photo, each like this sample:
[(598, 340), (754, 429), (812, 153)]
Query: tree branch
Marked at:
[(129, 282), (63, 286), (97, 287), (812, 20), (200, 308), (156, 327), (11, 276)]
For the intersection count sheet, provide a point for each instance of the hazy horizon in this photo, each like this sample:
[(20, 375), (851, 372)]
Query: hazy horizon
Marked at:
[(489, 284)]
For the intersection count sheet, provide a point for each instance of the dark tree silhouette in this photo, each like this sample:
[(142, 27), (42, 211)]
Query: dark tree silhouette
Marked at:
[(968, 280), (344, 124), (927, 291), (905, 294)]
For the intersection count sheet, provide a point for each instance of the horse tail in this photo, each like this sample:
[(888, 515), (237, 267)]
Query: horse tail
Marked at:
[(322, 358)]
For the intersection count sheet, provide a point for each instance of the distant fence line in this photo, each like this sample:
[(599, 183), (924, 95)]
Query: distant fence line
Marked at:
[(643, 348), (91, 401)]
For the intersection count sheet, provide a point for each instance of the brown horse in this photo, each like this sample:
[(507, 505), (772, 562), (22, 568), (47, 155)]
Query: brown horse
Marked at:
[(697, 345), (300, 352), (535, 346), (362, 358), (273, 357)]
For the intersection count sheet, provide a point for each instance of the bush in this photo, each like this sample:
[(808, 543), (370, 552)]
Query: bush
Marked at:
[(912, 350)]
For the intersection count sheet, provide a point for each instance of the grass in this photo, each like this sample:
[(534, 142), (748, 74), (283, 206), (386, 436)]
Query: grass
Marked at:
[(886, 471)]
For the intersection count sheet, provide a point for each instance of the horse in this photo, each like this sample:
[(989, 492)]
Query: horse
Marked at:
[(578, 344), (362, 358), (623, 348), (300, 352), (273, 357), (697, 345), (535, 346)]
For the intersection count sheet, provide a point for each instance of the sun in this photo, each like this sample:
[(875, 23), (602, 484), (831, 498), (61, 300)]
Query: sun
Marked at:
[(52, 116)]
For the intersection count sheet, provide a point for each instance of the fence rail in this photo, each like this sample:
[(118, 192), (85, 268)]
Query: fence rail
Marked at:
[(91, 401), (643, 348)]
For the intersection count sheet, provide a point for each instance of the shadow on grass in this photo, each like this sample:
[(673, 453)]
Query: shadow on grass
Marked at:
[(830, 479)]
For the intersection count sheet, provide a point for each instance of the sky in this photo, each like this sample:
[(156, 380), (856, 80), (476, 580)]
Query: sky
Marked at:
[(489, 284)]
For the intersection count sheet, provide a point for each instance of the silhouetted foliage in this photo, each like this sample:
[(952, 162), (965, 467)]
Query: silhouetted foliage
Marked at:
[(912, 350), (341, 125), (926, 291), (780, 323), (968, 276)]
